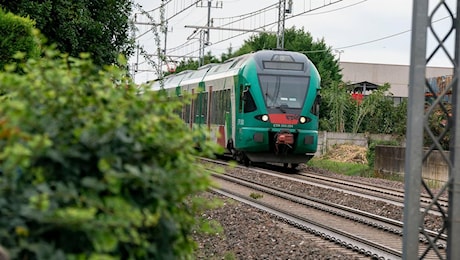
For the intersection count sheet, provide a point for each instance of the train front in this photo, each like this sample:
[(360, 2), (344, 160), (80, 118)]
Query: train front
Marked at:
[(279, 94)]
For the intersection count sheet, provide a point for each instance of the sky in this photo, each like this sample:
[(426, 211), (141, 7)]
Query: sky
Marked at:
[(368, 31)]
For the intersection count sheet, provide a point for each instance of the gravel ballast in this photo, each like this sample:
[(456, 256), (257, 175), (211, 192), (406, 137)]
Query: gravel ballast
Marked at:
[(252, 234)]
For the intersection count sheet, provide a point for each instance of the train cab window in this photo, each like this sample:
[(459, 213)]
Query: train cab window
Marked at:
[(284, 91)]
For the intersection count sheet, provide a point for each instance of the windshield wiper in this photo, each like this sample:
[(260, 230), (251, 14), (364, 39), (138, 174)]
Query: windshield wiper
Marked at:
[(282, 108)]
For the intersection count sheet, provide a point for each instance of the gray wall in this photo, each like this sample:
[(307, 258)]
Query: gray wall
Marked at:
[(391, 160), (328, 139)]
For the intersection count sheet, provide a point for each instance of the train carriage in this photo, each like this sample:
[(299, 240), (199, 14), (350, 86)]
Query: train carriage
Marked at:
[(262, 106)]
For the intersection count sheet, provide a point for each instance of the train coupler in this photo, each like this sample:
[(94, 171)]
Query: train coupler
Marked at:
[(283, 141)]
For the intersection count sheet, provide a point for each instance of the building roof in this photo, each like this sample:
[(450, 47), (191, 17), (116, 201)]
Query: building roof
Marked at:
[(378, 74), (363, 86)]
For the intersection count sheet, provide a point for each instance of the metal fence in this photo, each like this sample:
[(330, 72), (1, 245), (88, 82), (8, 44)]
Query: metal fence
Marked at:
[(424, 15)]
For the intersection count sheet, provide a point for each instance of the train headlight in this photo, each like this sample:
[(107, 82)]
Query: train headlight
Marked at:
[(302, 120), (265, 118)]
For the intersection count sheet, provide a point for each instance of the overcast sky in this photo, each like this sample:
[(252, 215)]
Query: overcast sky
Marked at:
[(370, 31)]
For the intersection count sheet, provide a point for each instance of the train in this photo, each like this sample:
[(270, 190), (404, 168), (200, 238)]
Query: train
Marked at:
[(260, 107)]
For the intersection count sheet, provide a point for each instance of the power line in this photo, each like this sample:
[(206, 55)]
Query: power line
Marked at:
[(307, 12), (343, 47), (248, 14), (337, 9), (183, 10), (376, 40), (290, 17), (388, 36)]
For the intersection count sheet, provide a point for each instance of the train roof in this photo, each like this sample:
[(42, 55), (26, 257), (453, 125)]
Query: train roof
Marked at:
[(195, 76), (231, 66)]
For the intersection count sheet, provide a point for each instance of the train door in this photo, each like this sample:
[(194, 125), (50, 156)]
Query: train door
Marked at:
[(245, 118), (240, 141), (239, 115), (201, 105), (230, 117)]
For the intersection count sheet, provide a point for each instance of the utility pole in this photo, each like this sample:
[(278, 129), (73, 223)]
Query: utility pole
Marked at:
[(282, 11), (164, 25), (203, 42), (160, 53)]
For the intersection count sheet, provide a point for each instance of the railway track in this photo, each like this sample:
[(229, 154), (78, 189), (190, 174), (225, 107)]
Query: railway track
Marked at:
[(356, 231), (363, 189), (377, 192)]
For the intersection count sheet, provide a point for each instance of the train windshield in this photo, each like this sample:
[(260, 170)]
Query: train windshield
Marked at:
[(284, 91)]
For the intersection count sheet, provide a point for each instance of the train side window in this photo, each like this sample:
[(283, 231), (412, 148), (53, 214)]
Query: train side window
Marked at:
[(247, 99), (227, 100), (249, 104), (316, 104)]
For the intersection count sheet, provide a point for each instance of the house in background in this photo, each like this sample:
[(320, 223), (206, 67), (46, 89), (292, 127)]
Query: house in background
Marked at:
[(365, 77)]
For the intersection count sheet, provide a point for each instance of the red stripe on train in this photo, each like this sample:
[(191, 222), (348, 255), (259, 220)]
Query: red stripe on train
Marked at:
[(286, 119), (221, 138)]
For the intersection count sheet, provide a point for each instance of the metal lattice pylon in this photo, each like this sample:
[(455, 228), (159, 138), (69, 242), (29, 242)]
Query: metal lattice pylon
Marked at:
[(420, 133)]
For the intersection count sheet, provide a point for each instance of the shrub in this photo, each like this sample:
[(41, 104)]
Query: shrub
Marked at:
[(17, 34), (91, 169)]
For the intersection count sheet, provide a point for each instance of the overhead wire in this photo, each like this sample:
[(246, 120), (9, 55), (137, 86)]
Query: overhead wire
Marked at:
[(275, 22), (386, 37), (244, 16), (343, 47)]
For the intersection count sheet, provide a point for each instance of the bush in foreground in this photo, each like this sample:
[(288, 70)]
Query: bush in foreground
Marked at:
[(92, 170)]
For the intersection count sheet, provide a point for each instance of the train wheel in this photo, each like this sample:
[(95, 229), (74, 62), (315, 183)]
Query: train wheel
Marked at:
[(246, 161), (286, 165), (294, 165), (242, 158)]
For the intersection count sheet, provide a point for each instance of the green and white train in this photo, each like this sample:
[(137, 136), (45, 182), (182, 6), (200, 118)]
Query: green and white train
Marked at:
[(262, 106)]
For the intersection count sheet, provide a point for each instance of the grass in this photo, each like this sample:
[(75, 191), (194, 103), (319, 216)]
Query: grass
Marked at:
[(256, 195), (346, 168), (352, 169)]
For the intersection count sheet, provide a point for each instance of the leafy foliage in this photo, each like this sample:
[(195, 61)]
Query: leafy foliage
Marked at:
[(438, 120), (375, 114), (92, 170), (191, 64), (371, 105), (334, 107), (17, 34), (100, 27), (378, 114)]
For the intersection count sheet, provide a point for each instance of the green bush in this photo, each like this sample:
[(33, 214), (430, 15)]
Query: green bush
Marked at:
[(91, 169), (17, 34)]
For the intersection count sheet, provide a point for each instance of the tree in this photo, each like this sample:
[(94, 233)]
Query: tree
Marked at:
[(336, 102), (438, 122), (369, 106), (191, 64), (99, 27), (89, 169), (17, 34)]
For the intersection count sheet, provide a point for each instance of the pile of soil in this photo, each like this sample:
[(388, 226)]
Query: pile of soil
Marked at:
[(347, 153)]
